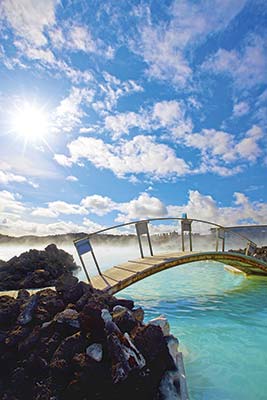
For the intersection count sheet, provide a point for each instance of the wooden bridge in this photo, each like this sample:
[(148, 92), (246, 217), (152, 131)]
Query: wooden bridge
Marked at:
[(121, 276)]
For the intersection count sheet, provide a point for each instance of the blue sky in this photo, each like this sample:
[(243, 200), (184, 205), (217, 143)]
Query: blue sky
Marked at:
[(112, 111)]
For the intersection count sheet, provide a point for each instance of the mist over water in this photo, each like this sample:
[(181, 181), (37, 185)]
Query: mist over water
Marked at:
[(220, 318)]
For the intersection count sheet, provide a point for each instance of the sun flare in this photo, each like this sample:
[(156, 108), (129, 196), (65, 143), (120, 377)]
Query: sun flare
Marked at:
[(30, 122)]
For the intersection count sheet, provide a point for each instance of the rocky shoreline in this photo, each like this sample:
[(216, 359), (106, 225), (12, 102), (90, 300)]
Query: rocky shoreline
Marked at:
[(260, 252), (79, 343), (35, 268)]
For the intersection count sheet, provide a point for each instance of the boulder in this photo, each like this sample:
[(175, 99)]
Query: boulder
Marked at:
[(150, 341), (28, 309), (124, 357), (124, 319), (9, 310), (95, 351), (68, 317), (162, 322), (138, 314)]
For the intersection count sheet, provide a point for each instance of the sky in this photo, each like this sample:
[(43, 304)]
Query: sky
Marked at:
[(114, 111)]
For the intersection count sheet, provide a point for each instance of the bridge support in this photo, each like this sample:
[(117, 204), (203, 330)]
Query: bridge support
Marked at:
[(186, 226), (220, 234), (142, 229)]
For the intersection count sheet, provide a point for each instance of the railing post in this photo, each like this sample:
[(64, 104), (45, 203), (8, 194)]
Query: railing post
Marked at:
[(84, 246), (182, 236), (142, 229), (85, 270), (220, 234), (149, 243), (223, 244), (140, 245), (190, 240), (186, 226), (217, 240)]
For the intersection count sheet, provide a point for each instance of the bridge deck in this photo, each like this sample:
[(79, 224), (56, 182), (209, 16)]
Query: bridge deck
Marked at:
[(120, 276)]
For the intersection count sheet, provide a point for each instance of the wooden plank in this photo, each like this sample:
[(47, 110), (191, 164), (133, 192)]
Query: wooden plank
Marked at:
[(117, 274), (100, 282), (133, 267)]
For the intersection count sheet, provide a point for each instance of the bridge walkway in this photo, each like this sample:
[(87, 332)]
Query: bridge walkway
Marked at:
[(121, 276)]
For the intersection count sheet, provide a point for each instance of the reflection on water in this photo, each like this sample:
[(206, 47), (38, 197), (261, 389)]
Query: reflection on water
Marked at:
[(220, 319)]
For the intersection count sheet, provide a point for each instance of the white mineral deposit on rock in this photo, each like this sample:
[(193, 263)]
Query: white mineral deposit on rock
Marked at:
[(163, 323)]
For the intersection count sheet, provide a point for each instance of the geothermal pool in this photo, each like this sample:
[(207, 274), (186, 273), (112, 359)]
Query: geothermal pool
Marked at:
[(220, 319), (221, 322)]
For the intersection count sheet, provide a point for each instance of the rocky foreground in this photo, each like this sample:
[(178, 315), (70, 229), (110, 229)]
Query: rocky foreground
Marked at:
[(79, 343), (35, 268)]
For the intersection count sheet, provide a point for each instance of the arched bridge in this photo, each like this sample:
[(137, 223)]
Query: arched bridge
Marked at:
[(191, 233)]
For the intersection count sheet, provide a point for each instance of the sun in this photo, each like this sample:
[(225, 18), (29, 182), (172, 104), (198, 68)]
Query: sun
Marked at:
[(30, 122)]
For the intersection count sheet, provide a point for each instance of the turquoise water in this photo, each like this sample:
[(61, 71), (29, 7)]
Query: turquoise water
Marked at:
[(221, 321)]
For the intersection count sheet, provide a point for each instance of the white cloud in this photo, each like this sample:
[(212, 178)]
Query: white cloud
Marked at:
[(15, 214), (9, 202), (81, 39), (90, 226), (204, 207), (167, 112), (55, 208), (219, 149), (121, 123), (72, 178), (20, 226), (246, 67), (98, 205), (162, 44), (219, 152), (248, 148), (46, 56), (240, 109), (63, 160), (160, 51), (69, 112), (164, 114), (78, 37), (111, 90), (44, 212), (145, 206), (6, 176), (30, 19), (261, 108), (140, 155), (75, 75), (217, 143)]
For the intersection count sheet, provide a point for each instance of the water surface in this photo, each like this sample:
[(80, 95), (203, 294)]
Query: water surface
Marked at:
[(221, 321)]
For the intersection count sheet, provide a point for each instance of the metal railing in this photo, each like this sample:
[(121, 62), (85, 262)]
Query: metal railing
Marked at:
[(83, 245)]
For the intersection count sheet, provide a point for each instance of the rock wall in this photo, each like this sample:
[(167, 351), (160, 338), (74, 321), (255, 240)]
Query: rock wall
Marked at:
[(79, 343)]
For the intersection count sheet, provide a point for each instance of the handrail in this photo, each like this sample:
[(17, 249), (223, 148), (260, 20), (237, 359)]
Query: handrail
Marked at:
[(165, 219)]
